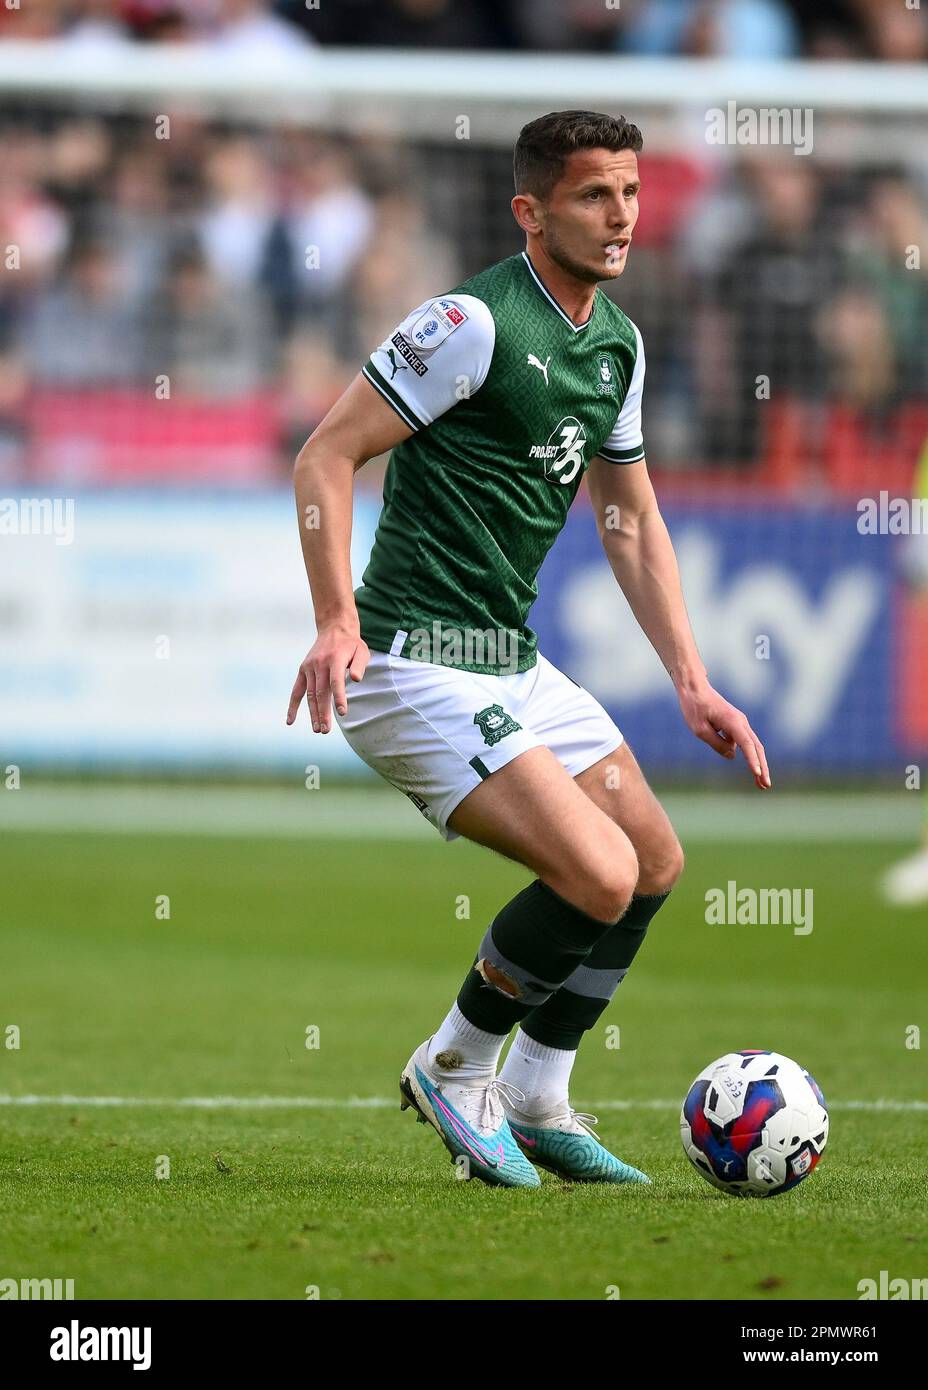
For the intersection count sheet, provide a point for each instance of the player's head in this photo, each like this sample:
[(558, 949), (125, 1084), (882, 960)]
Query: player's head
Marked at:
[(576, 178)]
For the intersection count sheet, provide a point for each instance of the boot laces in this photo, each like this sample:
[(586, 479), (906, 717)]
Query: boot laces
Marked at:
[(493, 1112), (587, 1121)]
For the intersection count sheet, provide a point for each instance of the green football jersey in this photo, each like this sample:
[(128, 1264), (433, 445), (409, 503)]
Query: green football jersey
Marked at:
[(509, 401)]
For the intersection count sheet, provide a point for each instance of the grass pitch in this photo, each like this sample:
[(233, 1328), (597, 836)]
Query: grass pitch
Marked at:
[(366, 942)]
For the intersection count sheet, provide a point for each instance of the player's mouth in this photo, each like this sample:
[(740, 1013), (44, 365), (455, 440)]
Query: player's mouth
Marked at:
[(618, 247)]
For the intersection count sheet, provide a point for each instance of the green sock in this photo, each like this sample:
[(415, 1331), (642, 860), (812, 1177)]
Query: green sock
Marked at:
[(537, 940), (577, 1006)]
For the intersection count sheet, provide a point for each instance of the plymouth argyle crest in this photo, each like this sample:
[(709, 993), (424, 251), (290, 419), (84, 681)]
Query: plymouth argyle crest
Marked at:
[(494, 723)]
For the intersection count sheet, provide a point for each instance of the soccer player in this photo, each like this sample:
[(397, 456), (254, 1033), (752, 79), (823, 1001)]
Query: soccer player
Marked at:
[(497, 398)]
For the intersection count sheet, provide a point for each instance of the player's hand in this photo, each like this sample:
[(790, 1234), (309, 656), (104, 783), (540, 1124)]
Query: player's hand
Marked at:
[(725, 729), (321, 677)]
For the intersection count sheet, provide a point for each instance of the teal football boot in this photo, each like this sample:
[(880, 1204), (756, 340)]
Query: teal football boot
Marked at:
[(565, 1144)]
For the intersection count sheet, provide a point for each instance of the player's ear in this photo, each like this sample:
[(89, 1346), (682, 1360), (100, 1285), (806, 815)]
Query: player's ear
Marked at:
[(525, 211)]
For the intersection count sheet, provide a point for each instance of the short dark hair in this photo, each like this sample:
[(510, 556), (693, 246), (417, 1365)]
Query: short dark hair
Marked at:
[(544, 145)]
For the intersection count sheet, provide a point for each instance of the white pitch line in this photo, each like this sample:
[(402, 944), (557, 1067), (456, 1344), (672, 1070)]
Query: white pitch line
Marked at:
[(365, 1103), (338, 812)]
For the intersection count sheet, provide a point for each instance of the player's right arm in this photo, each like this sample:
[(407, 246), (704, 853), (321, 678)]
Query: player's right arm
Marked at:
[(440, 350), (360, 425)]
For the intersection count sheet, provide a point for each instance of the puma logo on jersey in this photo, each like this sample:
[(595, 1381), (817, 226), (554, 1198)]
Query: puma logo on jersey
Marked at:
[(397, 366), (405, 351), (542, 366)]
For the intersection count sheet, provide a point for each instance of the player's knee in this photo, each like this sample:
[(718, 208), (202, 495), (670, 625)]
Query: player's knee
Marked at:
[(661, 867), (611, 885)]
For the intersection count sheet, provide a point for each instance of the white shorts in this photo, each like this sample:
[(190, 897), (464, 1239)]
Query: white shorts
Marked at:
[(436, 732)]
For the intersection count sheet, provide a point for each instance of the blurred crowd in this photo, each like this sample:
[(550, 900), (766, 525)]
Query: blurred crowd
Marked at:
[(228, 261), (238, 262), (766, 29)]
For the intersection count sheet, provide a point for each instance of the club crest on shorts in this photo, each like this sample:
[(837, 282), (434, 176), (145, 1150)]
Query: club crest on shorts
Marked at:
[(494, 723)]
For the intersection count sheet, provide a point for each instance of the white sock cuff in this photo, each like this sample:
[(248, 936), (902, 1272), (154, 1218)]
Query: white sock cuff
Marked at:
[(469, 1032), (539, 1052)]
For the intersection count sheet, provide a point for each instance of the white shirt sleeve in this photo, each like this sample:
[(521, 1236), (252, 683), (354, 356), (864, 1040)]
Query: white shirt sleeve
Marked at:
[(440, 354), (626, 443)]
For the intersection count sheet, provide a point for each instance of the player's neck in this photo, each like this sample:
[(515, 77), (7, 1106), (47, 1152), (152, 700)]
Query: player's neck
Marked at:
[(574, 296)]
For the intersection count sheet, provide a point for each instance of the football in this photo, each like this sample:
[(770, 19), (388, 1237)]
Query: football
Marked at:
[(754, 1123)]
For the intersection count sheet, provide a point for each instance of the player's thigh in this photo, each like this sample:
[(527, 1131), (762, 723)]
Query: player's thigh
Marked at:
[(617, 787), (533, 811)]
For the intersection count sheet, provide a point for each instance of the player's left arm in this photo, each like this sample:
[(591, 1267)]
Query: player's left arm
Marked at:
[(641, 554)]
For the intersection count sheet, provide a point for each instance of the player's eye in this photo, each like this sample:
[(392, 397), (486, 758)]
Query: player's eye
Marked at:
[(594, 193)]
